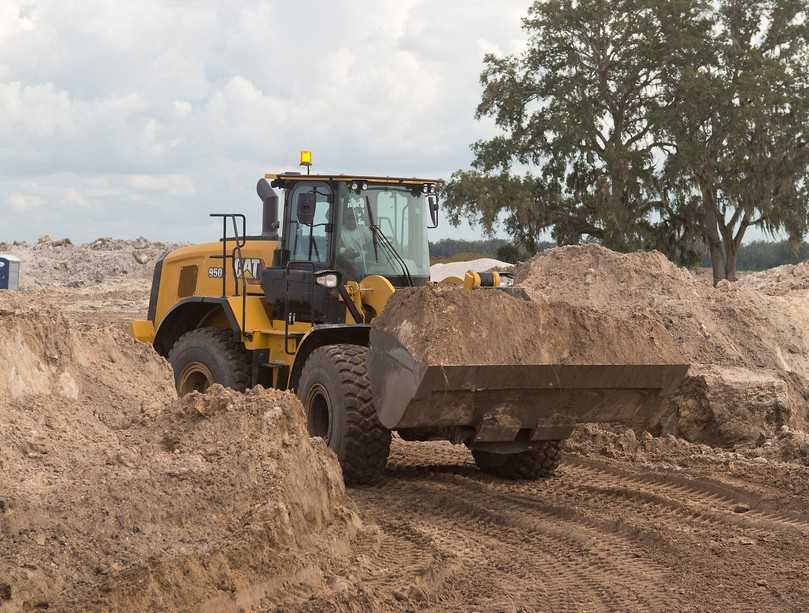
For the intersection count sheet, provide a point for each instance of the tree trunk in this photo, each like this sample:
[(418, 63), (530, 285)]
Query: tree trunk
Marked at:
[(730, 260), (732, 244), (710, 233)]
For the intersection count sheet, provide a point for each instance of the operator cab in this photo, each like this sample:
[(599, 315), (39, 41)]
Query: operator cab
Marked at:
[(341, 228)]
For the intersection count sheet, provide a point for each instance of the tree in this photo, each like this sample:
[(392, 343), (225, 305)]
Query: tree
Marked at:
[(579, 112), (738, 121), (510, 254)]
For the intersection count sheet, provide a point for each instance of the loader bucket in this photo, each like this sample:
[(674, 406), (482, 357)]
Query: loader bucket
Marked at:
[(500, 400)]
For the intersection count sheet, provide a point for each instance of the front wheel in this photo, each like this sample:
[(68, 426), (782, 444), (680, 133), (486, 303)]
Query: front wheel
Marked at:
[(206, 356), (535, 463), (336, 396)]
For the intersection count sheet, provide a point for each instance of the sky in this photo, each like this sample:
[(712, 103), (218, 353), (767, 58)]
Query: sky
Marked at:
[(130, 119)]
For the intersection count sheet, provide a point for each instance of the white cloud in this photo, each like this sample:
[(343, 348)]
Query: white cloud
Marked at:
[(23, 202), (178, 107), (165, 184)]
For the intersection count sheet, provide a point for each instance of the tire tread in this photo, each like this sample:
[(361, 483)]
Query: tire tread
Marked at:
[(536, 463), (221, 341), (366, 442)]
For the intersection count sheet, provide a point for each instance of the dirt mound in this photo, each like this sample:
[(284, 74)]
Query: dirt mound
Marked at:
[(60, 263), (748, 350), (779, 281), (116, 496), (597, 276)]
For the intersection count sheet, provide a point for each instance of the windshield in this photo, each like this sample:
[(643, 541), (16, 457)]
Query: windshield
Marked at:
[(400, 214)]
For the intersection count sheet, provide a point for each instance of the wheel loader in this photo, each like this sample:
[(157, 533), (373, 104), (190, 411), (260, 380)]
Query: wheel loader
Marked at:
[(292, 307)]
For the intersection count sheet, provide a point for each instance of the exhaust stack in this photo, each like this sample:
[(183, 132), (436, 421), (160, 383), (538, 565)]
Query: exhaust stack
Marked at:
[(269, 218)]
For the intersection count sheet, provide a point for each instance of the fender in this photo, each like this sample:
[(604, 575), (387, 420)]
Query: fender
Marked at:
[(189, 314), (329, 334)]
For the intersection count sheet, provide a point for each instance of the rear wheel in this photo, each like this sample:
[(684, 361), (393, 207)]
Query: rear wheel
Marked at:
[(336, 396), (535, 463), (206, 356)]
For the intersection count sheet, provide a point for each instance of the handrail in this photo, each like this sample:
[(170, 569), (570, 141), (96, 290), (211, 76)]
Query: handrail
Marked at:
[(236, 255)]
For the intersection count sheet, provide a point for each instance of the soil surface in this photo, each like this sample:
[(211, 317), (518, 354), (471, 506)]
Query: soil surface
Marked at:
[(115, 495)]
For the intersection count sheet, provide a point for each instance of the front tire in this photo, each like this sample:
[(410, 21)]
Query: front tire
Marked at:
[(336, 396), (535, 463), (206, 356)]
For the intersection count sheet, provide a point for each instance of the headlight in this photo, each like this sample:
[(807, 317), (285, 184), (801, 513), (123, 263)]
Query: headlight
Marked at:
[(506, 281), (328, 280)]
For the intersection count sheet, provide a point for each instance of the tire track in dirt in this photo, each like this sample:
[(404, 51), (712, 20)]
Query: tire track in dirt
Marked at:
[(482, 540), (541, 557), (599, 554), (709, 500), (601, 536)]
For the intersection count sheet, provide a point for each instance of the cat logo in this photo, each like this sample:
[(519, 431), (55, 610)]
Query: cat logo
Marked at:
[(249, 268)]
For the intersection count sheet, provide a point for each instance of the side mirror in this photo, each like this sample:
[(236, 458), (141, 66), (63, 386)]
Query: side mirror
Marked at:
[(306, 208), (432, 203)]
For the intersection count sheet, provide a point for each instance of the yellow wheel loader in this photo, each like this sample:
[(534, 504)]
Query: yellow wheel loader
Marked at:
[(290, 308)]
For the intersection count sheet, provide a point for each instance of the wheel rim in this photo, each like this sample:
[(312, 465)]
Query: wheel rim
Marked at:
[(196, 377), (318, 412)]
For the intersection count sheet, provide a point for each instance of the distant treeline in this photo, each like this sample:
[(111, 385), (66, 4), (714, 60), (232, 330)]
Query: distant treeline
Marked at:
[(448, 248), (757, 255), (761, 255)]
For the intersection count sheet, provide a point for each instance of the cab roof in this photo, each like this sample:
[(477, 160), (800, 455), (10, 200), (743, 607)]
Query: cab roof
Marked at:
[(281, 179)]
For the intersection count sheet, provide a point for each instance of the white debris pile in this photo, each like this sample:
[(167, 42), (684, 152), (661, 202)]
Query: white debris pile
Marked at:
[(439, 272)]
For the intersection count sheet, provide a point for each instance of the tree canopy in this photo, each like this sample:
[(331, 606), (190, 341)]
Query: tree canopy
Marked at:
[(640, 124)]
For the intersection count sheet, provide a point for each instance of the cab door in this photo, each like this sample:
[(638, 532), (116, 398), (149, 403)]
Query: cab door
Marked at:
[(308, 247), (309, 231)]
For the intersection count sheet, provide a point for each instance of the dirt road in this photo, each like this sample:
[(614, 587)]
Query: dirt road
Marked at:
[(603, 535)]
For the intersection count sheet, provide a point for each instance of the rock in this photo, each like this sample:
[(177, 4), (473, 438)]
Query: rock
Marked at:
[(101, 243), (741, 508), (762, 583), (45, 239), (140, 258), (743, 540), (399, 595), (416, 593), (337, 584)]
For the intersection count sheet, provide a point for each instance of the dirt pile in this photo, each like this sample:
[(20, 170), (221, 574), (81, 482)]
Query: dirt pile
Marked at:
[(780, 281), (748, 351), (448, 325), (59, 263), (116, 496)]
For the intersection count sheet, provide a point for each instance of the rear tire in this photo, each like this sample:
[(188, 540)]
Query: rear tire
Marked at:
[(206, 356), (336, 396), (530, 465)]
